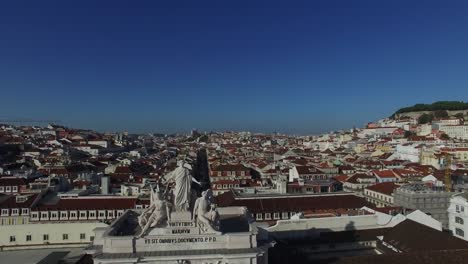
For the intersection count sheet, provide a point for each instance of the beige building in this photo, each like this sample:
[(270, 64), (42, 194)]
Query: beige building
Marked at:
[(45, 235), (381, 194), (461, 154)]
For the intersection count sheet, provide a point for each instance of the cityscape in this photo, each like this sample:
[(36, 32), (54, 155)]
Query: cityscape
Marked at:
[(233, 133), (361, 194)]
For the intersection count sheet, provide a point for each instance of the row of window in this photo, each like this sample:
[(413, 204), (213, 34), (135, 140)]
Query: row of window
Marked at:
[(45, 237), (230, 173), (315, 177), (378, 203), (459, 208), (323, 189), (66, 215), (423, 200), (276, 216), (14, 220), (379, 196), (13, 189), (14, 211), (225, 186)]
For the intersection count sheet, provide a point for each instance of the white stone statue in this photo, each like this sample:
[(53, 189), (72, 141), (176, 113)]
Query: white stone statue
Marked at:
[(183, 182), (156, 214), (205, 214)]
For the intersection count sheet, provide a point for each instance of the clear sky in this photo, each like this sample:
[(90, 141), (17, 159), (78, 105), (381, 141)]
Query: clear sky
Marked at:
[(170, 66)]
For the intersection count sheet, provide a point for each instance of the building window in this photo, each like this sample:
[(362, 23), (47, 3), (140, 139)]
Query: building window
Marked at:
[(12, 238), (459, 220), (267, 216), (91, 238), (459, 232), (82, 214), (35, 215), (45, 237), (4, 211), (259, 217), (14, 211), (276, 215), (65, 236), (82, 236), (28, 237), (25, 211)]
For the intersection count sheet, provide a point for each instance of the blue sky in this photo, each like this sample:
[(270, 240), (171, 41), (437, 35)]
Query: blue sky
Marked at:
[(170, 66)]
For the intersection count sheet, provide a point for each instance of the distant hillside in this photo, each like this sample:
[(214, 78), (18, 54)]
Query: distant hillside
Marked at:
[(453, 107)]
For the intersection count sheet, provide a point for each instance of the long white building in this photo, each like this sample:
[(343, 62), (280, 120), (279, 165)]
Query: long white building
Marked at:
[(454, 131), (34, 221)]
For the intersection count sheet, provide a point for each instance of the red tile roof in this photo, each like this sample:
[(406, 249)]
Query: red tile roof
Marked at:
[(384, 188), (410, 236), (10, 181), (293, 203), (122, 169), (341, 178), (9, 201), (306, 170), (384, 173), (230, 167), (355, 177)]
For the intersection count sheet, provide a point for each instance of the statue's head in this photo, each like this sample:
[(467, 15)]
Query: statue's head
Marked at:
[(204, 193)]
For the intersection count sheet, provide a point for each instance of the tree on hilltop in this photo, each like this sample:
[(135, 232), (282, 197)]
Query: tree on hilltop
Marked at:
[(425, 118)]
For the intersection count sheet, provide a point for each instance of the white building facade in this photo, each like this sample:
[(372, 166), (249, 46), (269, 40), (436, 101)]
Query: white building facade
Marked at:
[(460, 131), (458, 215)]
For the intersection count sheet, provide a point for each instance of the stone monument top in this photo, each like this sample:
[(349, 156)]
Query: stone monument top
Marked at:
[(170, 208)]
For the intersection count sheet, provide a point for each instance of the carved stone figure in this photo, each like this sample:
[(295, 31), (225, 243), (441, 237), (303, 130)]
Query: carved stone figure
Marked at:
[(183, 182), (205, 214), (156, 214)]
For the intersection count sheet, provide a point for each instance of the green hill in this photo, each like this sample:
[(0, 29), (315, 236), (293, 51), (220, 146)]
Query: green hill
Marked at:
[(441, 105)]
